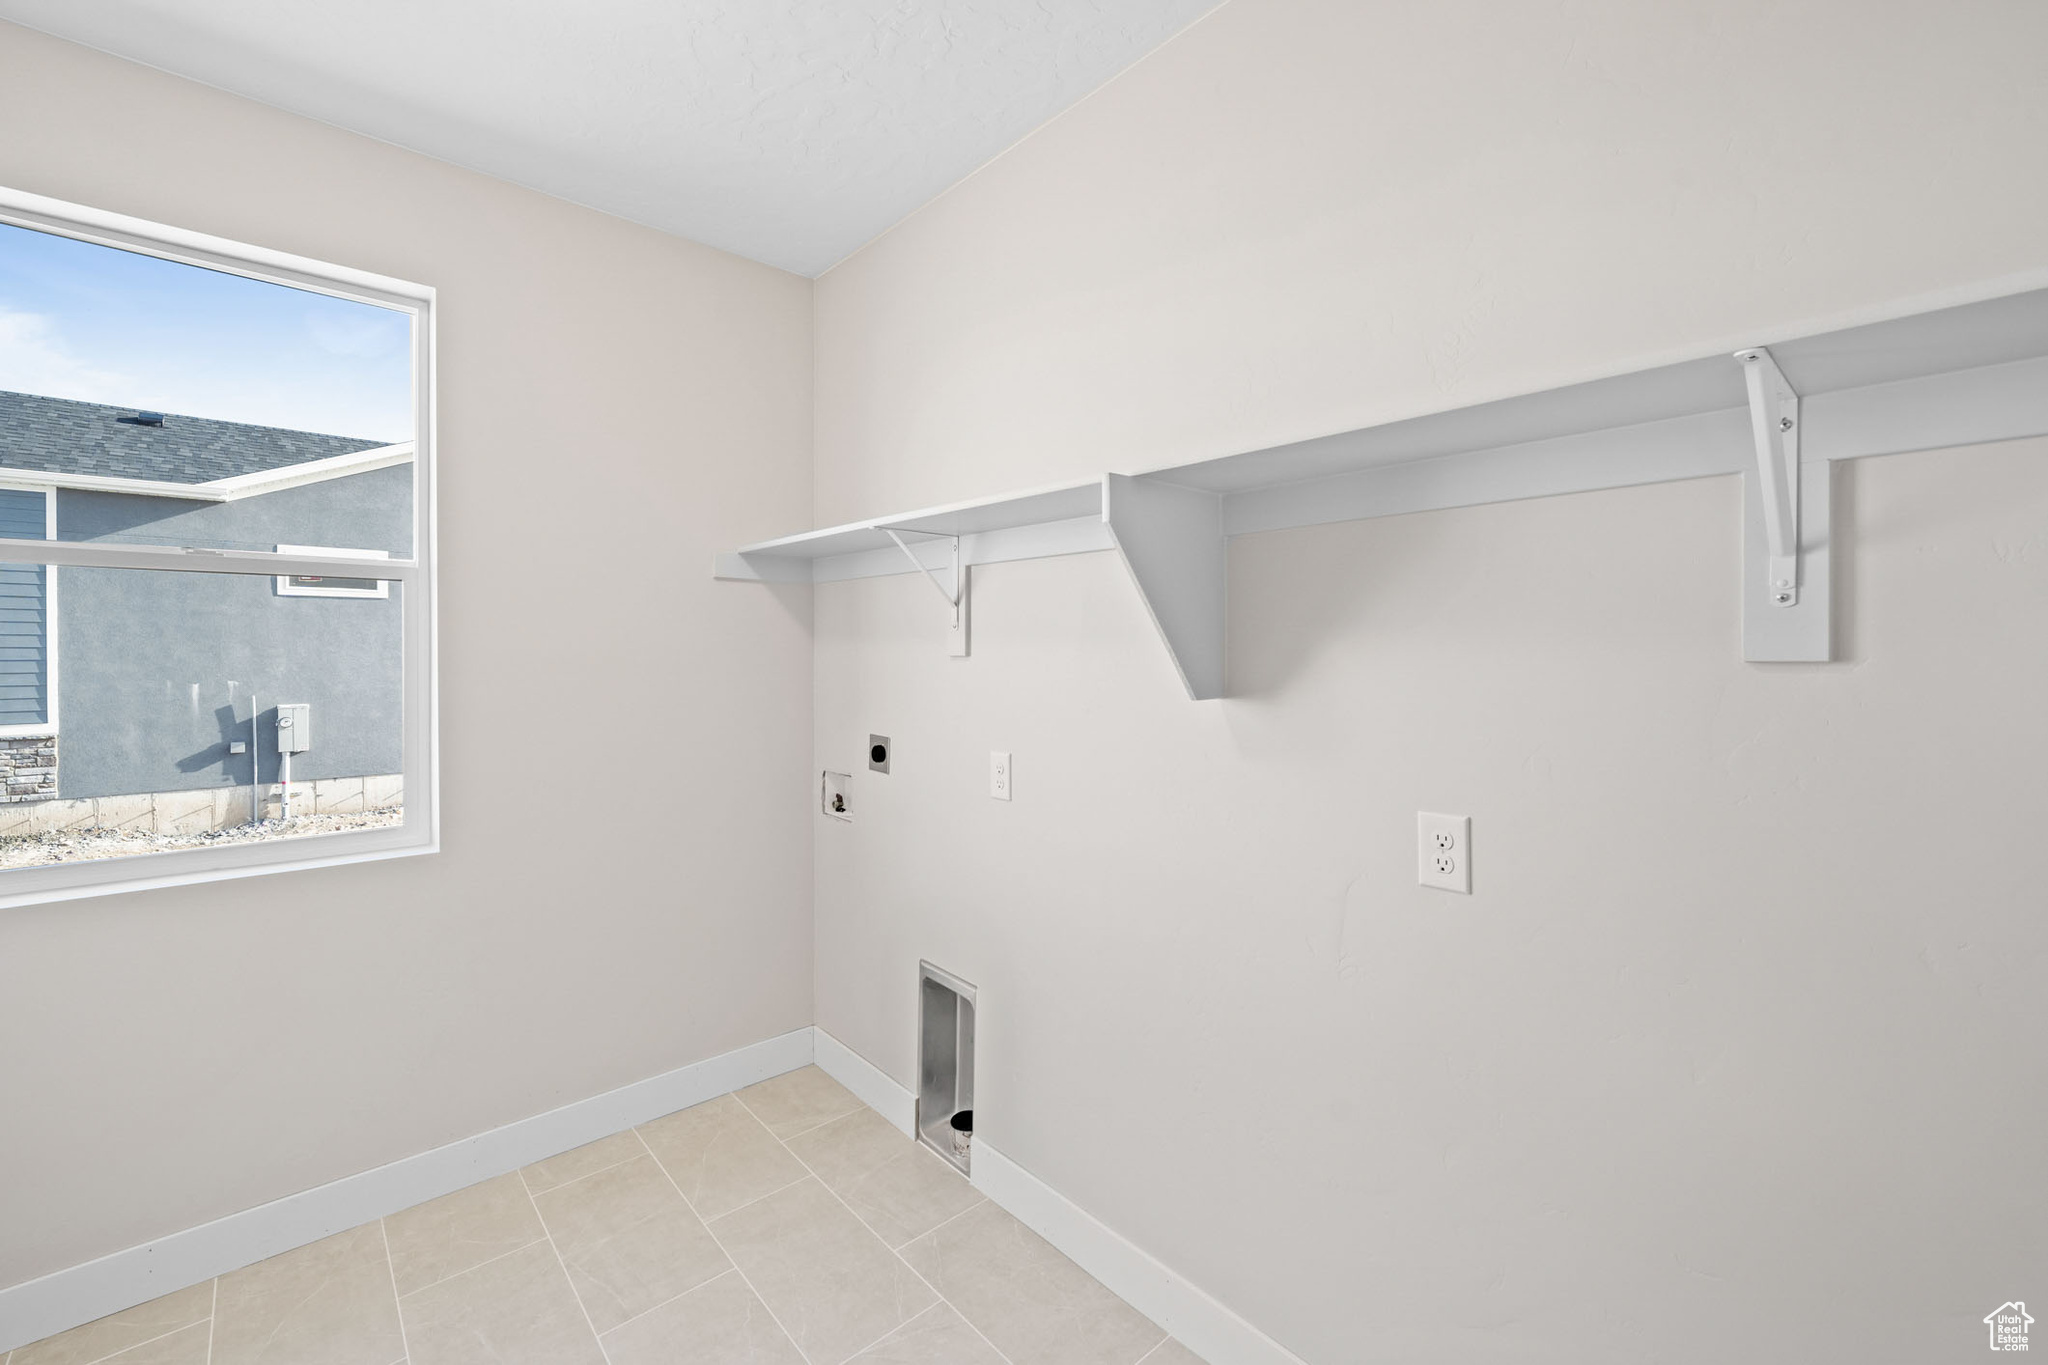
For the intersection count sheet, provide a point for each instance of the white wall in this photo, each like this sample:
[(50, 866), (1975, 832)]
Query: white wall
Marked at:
[(169, 1057), (1305, 216), (1735, 1053)]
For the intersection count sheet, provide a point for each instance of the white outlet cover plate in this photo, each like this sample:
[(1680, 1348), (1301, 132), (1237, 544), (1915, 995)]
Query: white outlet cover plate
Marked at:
[(999, 774), (1443, 851)]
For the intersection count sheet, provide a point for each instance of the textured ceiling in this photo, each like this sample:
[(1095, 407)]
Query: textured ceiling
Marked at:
[(791, 131)]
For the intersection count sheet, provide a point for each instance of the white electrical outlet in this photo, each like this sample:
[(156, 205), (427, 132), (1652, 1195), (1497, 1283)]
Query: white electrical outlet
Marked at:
[(999, 775), (1444, 851)]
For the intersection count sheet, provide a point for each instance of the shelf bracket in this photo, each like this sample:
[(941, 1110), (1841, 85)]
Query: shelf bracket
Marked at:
[(1774, 420), (956, 596), (1171, 539), (1786, 575)]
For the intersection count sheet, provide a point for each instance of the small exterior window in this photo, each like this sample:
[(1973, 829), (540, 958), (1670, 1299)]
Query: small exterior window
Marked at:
[(313, 585)]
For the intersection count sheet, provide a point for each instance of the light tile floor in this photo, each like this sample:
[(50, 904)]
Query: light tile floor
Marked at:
[(784, 1224)]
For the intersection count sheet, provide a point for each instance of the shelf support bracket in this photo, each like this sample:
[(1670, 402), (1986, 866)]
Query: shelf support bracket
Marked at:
[(1786, 585), (956, 596), (1171, 539), (1774, 420)]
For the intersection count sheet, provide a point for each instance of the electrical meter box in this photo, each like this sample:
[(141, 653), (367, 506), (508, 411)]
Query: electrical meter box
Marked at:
[(294, 727)]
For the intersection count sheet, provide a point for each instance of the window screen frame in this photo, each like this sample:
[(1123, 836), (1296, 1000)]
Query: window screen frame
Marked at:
[(419, 833)]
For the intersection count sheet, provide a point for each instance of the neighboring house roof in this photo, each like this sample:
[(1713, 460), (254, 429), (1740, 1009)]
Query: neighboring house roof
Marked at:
[(60, 436), (93, 445)]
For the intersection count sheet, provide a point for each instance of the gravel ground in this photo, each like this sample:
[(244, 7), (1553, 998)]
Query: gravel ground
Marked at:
[(33, 850)]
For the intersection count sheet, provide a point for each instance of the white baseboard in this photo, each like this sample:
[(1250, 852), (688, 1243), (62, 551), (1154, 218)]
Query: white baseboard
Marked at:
[(67, 1298), (871, 1085), (1196, 1320), (57, 1302)]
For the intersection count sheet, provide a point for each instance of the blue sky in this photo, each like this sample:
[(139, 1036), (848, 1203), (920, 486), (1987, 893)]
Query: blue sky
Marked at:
[(90, 322)]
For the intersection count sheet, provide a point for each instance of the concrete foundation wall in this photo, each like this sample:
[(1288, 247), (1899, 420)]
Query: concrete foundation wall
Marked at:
[(197, 812)]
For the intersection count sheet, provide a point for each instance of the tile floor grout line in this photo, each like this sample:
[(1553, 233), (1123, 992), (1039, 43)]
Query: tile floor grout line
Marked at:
[(905, 1260), (812, 1129), (101, 1360), (570, 1280), (915, 1145), (979, 1200), (523, 1246), (777, 1136), (588, 1321), (935, 1305), (1157, 1347), (534, 1194), (788, 1335), (936, 1292), (898, 1251), (730, 1269), (397, 1299), (663, 1167), (751, 1202), (213, 1311)]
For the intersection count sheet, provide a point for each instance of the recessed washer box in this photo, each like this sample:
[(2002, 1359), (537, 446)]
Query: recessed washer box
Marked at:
[(833, 795), (945, 1061)]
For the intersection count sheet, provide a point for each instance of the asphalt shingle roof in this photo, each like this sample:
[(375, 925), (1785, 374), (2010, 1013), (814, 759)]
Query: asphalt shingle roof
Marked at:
[(60, 436)]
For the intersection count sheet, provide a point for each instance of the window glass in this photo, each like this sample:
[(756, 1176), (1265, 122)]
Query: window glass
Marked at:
[(175, 405), (162, 720), (182, 694)]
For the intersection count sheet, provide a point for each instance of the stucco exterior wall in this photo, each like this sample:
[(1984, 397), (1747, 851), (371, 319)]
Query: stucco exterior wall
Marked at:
[(158, 673)]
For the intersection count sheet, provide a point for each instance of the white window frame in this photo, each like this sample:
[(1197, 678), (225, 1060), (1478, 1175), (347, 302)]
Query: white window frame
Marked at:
[(287, 588), (49, 725), (420, 831)]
